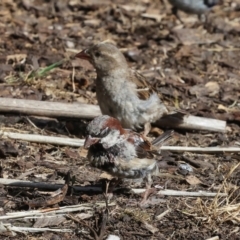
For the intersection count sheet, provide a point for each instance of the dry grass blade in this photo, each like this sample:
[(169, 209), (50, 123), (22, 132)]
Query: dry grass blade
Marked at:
[(6, 227), (82, 222), (220, 209), (58, 210)]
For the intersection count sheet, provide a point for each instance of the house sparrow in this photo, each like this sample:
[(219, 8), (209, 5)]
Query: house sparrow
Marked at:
[(117, 88), (192, 6), (121, 152)]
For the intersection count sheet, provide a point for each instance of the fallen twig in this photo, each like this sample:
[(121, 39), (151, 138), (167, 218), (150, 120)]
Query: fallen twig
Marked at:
[(113, 237), (59, 210), (169, 192), (44, 139), (48, 201), (213, 238), (200, 149), (88, 111), (6, 227), (79, 143), (160, 216), (82, 222), (45, 185), (49, 109), (192, 123)]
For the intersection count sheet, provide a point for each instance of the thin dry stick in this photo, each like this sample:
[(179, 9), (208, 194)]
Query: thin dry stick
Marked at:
[(88, 111), (49, 109), (79, 143), (57, 211), (213, 238), (73, 83), (82, 222), (104, 222), (160, 216), (200, 149), (44, 139), (46, 186), (169, 192), (8, 227)]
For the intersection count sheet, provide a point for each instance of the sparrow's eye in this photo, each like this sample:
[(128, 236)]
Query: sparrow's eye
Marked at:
[(105, 132), (97, 54)]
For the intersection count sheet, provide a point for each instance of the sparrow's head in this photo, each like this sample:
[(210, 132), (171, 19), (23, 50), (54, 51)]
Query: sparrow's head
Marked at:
[(104, 130), (104, 57)]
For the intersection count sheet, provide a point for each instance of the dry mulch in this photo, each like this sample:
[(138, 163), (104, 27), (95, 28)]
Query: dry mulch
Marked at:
[(194, 67)]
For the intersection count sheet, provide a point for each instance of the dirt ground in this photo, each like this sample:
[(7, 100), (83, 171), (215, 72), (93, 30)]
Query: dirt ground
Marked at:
[(194, 67)]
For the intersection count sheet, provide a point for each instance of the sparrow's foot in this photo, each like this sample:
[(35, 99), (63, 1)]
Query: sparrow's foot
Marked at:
[(108, 188), (147, 129), (175, 13), (108, 197), (145, 196), (144, 202)]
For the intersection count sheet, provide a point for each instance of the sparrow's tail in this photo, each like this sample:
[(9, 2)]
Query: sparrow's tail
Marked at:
[(152, 109), (159, 141)]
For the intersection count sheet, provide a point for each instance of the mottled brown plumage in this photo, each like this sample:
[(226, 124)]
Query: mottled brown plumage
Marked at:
[(117, 88), (122, 152)]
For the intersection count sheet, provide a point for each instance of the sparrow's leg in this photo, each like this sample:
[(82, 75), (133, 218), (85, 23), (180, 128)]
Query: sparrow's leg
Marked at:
[(147, 129), (148, 191), (202, 18), (106, 195), (175, 12), (108, 187)]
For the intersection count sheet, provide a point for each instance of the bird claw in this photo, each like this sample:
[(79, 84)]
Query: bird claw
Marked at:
[(144, 201), (147, 193)]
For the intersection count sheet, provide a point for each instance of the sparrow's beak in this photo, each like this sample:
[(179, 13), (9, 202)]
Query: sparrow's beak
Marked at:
[(83, 55), (89, 141)]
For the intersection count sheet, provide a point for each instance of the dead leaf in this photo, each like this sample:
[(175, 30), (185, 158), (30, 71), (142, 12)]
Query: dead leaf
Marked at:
[(71, 153), (192, 180), (212, 88), (48, 221), (196, 36), (83, 152)]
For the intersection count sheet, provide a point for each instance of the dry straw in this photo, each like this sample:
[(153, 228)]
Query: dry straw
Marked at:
[(219, 209)]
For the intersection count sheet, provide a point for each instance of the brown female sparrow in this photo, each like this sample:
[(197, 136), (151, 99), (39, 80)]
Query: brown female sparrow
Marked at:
[(121, 152), (117, 88)]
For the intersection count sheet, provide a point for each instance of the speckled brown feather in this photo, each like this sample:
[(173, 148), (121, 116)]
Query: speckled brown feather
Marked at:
[(144, 148), (122, 152), (143, 88)]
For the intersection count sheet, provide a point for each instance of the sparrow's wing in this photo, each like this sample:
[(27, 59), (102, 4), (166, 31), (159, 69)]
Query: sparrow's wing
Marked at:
[(145, 149), (143, 88), (142, 153), (142, 146)]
